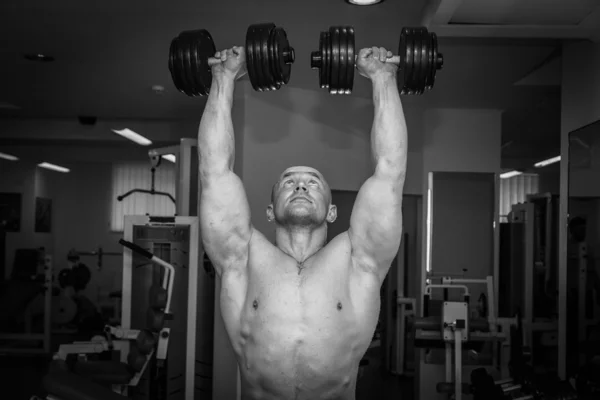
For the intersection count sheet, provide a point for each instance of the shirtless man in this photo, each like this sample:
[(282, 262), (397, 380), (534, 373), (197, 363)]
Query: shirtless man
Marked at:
[(301, 314)]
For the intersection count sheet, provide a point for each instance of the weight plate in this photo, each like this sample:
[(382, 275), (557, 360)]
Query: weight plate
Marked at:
[(335, 60), (273, 58), (351, 59), (288, 57), (409, 57), (417, 46), (418, 62), (324, 67), (343, 40), (438, 63), (195, 68), (430, 61), (263, 56), (255, 44), (250, 57), (327, 60), (181, 57), (186, 44), (426, 69), (271, 49), (206, 49), (172, 69), (265, 68), (422, 55)]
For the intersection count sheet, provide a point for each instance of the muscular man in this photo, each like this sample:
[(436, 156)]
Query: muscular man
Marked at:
[(300, 315)]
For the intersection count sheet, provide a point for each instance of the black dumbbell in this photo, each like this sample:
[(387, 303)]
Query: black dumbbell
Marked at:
[(418, 60), (269, 58)]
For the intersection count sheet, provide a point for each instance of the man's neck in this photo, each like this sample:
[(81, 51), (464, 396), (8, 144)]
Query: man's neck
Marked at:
[(300, 242)]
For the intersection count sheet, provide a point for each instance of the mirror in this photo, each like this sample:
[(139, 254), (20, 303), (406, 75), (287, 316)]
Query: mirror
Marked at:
[(583, 248)]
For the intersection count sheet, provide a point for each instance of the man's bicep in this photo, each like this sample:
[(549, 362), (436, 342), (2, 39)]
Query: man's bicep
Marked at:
[(225, 220), (376, 222)]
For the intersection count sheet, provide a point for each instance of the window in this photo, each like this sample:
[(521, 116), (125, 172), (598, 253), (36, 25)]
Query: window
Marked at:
[(130, 176), (514, 190)]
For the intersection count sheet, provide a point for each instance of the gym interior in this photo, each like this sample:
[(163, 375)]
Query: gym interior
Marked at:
[(495, 290)]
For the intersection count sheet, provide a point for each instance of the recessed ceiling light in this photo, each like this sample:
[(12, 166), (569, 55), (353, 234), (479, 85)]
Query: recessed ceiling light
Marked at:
[(8, 157), (53, 167), (38, 57), (363, 2), (510, 174), (170, 157), (133, 136)]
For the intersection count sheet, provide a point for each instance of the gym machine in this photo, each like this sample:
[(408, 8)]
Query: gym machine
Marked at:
[(29, 296), (528, 274), (107, 367), (456, 330)]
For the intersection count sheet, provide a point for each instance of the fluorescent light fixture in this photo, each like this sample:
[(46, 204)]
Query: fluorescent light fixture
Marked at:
[(134, 137), (8, 157), (547, 162), (170, 157), (364, 2), (53, 167), (510, 174)]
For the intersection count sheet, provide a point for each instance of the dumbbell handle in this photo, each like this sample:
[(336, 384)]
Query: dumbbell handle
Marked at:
[(393, 59), (316, 60)]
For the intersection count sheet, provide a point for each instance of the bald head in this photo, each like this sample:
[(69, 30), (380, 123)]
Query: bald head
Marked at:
[(295, 171)]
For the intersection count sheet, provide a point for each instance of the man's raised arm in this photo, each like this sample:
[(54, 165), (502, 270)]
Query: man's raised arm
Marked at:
[(224, 210), (376, 222)]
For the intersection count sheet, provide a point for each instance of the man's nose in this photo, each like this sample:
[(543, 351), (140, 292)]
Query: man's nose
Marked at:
[(301, 188)]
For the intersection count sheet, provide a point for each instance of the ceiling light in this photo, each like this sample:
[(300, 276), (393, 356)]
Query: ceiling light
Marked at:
[(363, 2), (134, 137), (170, 157), (510, 174), (8, 157), (547, 162), (53, 167), (38, 57)]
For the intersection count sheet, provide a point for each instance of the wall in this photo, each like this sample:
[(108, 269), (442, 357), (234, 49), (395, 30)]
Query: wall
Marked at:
[(30, 182)]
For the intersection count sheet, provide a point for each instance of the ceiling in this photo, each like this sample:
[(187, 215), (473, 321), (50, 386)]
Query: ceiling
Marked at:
[(109, 54)]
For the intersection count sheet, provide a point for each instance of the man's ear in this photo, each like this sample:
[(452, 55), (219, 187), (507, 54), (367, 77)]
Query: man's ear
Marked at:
[(332, 214), (270, 213)]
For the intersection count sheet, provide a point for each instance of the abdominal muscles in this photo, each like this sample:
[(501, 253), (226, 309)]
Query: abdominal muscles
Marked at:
[(301, 346)]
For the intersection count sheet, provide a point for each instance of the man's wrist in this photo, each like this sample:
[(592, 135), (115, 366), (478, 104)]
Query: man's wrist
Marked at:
[(384, 79), (223, 83)]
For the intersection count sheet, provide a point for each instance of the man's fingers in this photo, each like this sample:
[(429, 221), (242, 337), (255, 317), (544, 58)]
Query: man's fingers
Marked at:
[(365, 52), (382, 54)]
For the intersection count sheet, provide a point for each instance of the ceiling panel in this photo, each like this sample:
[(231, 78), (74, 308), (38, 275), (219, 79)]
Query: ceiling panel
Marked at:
[(523, 12)]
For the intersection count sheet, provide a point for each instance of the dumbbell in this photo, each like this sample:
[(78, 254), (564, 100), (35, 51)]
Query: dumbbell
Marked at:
[(418, 60), (269, 59)]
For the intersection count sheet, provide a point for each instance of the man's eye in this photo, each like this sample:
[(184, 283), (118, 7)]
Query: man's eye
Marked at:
[(289, 181), (312, 181)]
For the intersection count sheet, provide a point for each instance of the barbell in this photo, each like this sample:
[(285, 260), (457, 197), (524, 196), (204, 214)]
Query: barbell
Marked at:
[(269, 58), (418, 60)]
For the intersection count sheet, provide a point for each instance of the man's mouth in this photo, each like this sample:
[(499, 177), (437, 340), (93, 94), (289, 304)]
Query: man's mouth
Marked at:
[(300, 198)]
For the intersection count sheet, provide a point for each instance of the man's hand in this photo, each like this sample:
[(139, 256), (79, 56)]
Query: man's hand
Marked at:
[(371, 63), (232, 65)]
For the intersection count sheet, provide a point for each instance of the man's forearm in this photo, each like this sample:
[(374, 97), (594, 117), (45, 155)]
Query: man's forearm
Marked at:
[(388, 135), (216, 144)]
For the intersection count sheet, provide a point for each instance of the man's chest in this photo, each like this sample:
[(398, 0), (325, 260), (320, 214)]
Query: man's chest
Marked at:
[(324, 290)]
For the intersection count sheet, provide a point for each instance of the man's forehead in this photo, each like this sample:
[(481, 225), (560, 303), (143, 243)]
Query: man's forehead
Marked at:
[(301, 169)]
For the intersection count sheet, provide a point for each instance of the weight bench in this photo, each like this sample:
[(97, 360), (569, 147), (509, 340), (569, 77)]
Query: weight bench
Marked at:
[(104, 367)]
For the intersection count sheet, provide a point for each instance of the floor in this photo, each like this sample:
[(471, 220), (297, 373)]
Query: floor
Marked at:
[(20, 378)]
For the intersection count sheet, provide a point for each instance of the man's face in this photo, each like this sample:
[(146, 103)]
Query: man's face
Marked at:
[(301, 197)]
